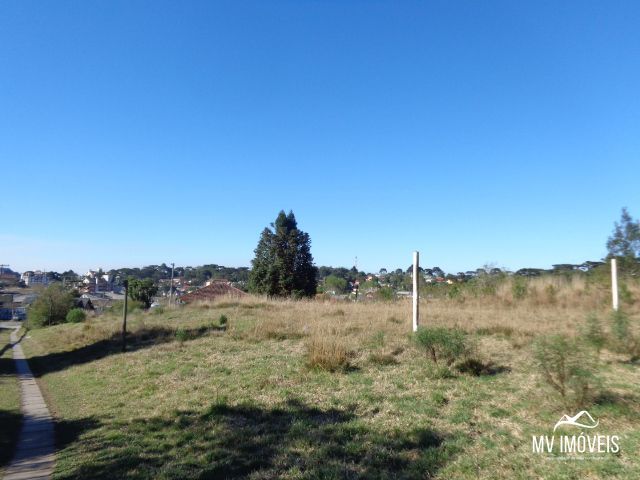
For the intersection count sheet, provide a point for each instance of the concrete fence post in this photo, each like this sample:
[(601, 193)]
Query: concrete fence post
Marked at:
[(614, 283)]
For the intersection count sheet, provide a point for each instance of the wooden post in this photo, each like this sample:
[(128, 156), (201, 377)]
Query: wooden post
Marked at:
[(614, 283), (416, 293), (124, 316)]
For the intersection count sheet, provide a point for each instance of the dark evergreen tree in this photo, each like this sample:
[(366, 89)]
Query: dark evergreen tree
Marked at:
[(283, 265)]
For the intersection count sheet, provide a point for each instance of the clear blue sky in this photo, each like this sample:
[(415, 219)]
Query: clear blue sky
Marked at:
[(137, 132)]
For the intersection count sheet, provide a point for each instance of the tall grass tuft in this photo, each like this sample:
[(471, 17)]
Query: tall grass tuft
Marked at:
[(327, 352)]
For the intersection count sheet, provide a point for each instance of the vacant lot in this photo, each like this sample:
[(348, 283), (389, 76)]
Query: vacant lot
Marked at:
[(278, 389)]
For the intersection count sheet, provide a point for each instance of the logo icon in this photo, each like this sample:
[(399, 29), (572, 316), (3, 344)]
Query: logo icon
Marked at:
[(567, 420)]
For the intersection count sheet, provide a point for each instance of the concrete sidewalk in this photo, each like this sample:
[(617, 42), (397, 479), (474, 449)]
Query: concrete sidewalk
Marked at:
[(35, 454)]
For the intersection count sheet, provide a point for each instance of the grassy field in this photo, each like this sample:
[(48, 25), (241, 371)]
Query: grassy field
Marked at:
[(10, 417), (325, 390)]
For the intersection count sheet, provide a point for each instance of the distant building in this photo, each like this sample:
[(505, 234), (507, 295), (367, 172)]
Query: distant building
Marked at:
[(34, 278), (97, 282)]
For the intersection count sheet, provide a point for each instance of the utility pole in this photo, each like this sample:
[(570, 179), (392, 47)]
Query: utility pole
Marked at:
[(124, 316), (416, 293), (171, 287)]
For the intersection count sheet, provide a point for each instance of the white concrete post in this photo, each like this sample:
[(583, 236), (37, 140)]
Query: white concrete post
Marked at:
[(416, 294), (614, 283)]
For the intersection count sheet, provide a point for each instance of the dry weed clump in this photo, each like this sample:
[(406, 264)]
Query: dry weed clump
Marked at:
[(327, 352)]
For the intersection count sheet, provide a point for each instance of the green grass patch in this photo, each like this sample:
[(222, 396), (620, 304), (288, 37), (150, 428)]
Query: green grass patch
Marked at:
[(236, 403), (10, 416)]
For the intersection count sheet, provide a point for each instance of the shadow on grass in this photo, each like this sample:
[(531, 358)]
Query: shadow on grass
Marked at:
[(67, 432), (479, 368), (232, 442), (136, 340), (10, 423), (10, 420), (7, 346), (620, 403)]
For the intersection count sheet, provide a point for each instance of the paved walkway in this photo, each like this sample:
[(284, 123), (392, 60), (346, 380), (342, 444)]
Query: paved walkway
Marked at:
[(35, 455)]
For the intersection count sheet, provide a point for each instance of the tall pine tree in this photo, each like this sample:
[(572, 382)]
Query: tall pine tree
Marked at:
[(283, 265)]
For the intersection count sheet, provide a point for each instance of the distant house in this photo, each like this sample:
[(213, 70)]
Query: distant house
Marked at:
[(216, 289), (84, 303), (97, 281)]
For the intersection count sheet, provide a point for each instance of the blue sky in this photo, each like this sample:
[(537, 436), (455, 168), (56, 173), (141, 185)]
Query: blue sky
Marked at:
[(137, 132)]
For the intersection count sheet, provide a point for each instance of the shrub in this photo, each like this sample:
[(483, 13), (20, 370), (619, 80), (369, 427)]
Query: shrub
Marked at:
[(223, 320), (157, 310), (454, 292), (182, 335), (386, 294), (51, 307), (327, 353), (443, 343), (593, 334), (567, 367), (519, 289), (624, 340), (76, 315)]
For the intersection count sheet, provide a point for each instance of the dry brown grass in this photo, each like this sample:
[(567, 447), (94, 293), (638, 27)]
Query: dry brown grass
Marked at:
[(550, 305), (327, 353)]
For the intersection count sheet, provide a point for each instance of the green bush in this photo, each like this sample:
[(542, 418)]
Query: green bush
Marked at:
[(444, 344), (519, 289), (568, 367), (593, 333), (51, 306), (76, 315), (454, 292), (624, 340), (182, 335), (223, 320), (386, 294), (142, 291)]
